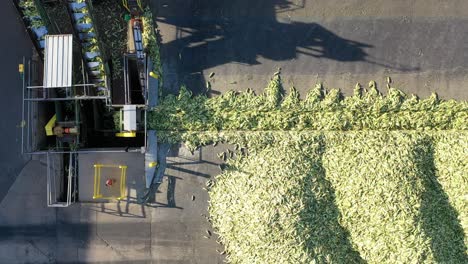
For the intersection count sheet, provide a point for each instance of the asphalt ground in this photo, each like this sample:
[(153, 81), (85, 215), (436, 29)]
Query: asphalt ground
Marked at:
[(15, 43), (420, 44), (171, 230)]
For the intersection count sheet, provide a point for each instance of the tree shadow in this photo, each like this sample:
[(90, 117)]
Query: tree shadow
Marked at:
[(221, 32), (438, 218), (326, 240)]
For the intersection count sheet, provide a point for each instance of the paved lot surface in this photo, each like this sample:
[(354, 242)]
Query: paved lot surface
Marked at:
[(171, 230), (180, 230), (420, 44), (14, 45)]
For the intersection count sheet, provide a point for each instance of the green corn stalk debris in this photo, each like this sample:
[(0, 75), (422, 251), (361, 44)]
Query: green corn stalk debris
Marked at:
[(331, 179), (31, 13), (335, 197), (321, 110)]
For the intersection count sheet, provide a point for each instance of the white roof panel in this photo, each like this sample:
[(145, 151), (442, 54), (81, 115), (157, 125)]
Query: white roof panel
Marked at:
[(129, 118), (58, 61)]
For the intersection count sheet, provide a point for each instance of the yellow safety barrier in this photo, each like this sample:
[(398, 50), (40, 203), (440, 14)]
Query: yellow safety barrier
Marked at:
[(125, 4), (49, 127), (126, 134), (97, 181), (154, 75)]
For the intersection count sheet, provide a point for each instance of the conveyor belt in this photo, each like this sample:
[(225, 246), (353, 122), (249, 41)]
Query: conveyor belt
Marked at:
[(92, 55)]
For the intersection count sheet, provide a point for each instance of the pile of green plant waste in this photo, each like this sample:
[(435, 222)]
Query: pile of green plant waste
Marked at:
[(112, 29), (320, 110), (331, 179), (58, 13), (344, 197)]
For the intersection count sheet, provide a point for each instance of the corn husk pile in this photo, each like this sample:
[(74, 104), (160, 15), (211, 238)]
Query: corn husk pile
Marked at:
[(331, 179), (320, 110), (335, 197)]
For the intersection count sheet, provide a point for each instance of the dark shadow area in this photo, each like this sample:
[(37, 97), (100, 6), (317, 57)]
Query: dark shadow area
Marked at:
[(193, 163), (121, 261), (15, 45), (319, 221), (80, 232), (31, 231), (176, 167), (148, 195), (171, 184), (173, 150), (220, 32), (121, 209), (438, 218), (69, 236)]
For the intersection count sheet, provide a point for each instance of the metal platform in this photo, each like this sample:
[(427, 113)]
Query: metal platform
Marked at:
[(135, 174), (151, 157), (153, 89)]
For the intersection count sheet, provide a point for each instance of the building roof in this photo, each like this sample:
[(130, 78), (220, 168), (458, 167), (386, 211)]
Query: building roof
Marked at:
[(58, 61)]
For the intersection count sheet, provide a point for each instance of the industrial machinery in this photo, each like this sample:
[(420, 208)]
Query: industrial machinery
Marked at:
[(135, 72), (77, 116)]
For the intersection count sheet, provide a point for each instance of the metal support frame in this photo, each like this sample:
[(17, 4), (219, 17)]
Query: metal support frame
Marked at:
[(127, 91), (60, 193), (70, 93), (127, 98), (30, 111)]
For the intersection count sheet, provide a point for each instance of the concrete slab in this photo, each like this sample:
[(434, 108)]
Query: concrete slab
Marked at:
[(153, 89), (104, 233), (135, 178), (26, 201), (151, 156), (24, 213), (178, 222)]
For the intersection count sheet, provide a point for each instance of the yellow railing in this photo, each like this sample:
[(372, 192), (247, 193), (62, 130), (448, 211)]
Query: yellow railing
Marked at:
[(97, 181), (125, 4)]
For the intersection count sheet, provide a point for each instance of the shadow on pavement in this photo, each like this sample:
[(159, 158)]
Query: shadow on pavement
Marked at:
[(243, 31)]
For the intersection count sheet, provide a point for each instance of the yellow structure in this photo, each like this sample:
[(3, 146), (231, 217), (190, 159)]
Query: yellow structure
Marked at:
[(126, 134), (49, 127), (97, 181), (125, 4), (154, 75)]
